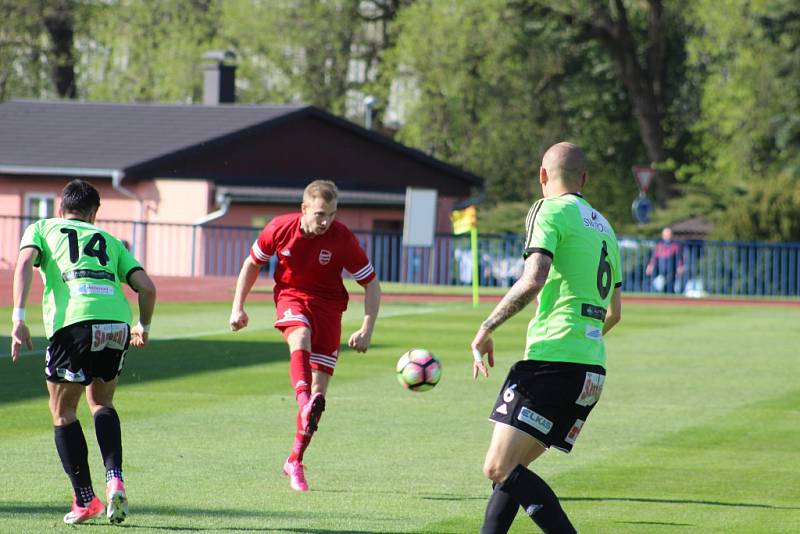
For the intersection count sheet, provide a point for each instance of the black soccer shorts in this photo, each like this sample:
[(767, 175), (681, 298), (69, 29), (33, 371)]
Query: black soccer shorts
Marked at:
[(549, 400), (83, 351)]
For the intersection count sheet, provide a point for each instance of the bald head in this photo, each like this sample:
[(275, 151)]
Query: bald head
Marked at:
[(565, 162)]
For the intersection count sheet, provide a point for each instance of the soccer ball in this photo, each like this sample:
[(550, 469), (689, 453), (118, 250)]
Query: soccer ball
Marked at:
[(418, 370)]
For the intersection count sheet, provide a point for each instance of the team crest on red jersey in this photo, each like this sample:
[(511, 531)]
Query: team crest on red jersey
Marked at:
[(324, 256)]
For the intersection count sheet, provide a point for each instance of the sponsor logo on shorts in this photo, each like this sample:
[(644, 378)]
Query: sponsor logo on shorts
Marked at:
[(90, 289), (508, 394), (69, 376), (592, 388), (532, 509), (111, 336), (593, 332), (325, 256), (539, 422), (572, 435)]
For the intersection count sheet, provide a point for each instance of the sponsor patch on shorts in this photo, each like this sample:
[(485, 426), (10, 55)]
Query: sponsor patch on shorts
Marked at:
[(69, 376), (539, 422), (109, 336), (90, 289), (572, 435), (592, 388)]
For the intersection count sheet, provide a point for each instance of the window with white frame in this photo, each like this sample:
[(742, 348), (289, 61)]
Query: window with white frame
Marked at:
[(40, 205)]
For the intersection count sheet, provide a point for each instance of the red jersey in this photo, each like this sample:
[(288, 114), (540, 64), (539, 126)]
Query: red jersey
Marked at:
[(311, 267)]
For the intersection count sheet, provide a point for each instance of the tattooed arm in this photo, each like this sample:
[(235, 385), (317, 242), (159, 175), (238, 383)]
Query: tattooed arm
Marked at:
[(537, 266)]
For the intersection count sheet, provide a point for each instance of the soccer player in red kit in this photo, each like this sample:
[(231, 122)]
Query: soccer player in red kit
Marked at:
[(312, 250)]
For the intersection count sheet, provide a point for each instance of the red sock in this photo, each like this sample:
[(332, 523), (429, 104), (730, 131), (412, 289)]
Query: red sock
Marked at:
[(301, 441), (300, 374)]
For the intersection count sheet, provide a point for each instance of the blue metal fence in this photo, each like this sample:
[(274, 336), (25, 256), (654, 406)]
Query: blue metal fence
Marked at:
[(733, 268)]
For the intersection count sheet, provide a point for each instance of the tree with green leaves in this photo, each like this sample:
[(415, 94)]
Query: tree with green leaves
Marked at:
[(749, 125), (494, 88), (37, 56), (645, 42)]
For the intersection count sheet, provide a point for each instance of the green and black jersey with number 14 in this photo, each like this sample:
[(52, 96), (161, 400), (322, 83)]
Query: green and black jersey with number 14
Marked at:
[(82, 268), (568, 326)]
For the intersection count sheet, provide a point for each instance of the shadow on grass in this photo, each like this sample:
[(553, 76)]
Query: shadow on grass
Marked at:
[(658, 523), (446, 497), (146, 515), (679, 501), (160, 360)]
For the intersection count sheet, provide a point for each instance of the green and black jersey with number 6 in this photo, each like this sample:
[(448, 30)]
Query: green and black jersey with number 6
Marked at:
[(82, 268), (568, 326)]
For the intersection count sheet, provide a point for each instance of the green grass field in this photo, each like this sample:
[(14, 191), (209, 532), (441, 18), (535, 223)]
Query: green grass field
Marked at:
[(698, 429)]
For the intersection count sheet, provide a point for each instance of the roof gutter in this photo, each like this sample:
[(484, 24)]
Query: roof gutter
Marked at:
[(116, 182), (224, 201), (62, 171)]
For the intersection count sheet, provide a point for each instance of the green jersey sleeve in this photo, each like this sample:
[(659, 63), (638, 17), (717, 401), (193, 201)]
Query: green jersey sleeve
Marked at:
[(127, 263), (617, 266), (32, 238), (542, 232)]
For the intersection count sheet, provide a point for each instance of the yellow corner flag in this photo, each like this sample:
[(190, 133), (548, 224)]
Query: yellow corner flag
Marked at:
[(463, 220)]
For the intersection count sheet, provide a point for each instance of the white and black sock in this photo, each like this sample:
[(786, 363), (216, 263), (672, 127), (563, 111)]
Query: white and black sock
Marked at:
[(71, 447)]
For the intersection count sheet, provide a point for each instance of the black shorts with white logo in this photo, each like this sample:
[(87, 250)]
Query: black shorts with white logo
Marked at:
[(83, 351), (549, 400)]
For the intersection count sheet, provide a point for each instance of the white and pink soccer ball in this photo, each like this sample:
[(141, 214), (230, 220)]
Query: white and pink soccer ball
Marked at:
[(418, 370)]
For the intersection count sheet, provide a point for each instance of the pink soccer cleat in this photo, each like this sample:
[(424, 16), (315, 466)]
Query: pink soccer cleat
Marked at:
[(311, 412), (297, 477), (117, 501), (79, 514)]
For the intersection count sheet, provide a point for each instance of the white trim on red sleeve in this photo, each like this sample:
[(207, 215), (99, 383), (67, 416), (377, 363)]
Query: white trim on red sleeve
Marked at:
[(364, 272), (258, 254)]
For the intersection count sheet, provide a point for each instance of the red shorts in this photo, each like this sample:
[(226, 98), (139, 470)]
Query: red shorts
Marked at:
[(325, 323)]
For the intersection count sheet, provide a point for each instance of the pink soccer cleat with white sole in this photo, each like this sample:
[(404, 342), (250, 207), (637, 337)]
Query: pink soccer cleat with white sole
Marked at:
[(117, 501), (297, 477), (79, 514)]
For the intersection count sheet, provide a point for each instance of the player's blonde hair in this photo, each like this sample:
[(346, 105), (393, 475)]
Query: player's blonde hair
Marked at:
[(324, 189)]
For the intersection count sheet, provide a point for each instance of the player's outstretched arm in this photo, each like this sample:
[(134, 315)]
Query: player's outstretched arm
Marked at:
[(614, 314), (524, 290), (361, 338), (247, 278), (146, 289), (23, 276)]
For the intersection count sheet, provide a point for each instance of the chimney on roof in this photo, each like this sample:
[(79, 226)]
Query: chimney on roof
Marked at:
[(219, 77)]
